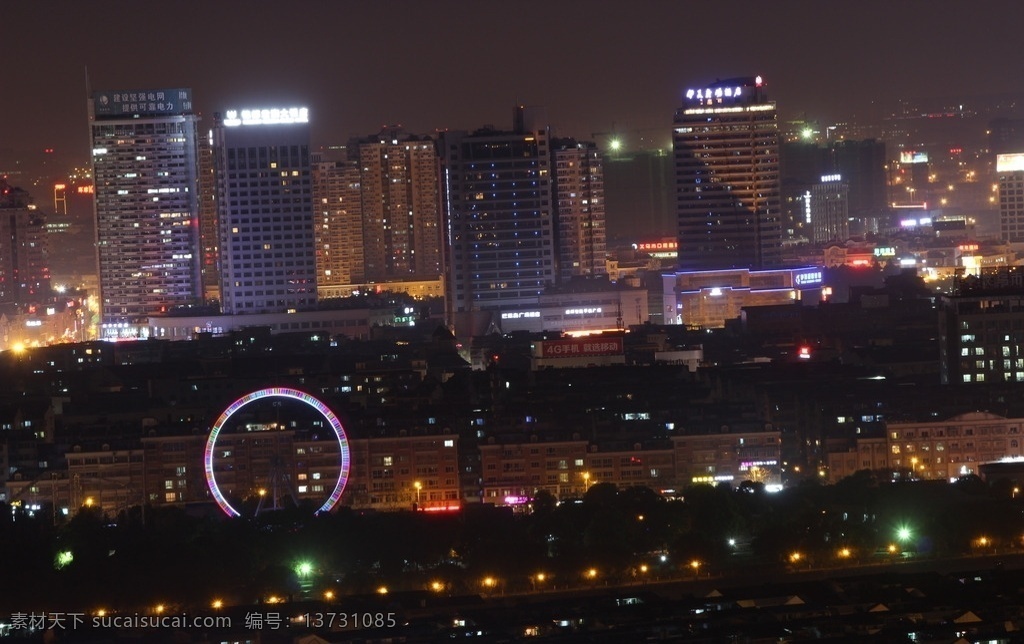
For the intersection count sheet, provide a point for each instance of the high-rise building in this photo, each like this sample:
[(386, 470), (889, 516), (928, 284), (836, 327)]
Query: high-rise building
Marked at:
[(265, 211), (24, 274), (499, 214), (145, 167), (579, 194), (401, 206), (1010, 172), (726, 148), (337, 201), (828, 209)]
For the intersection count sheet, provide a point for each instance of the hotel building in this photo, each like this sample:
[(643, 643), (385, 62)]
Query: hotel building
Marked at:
[(726, 149), (265, 211)]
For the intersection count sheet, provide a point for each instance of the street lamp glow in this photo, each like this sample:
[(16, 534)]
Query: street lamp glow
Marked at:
[(615, 145), (217, 604), (382, 590), (304, 569), (903, 533)]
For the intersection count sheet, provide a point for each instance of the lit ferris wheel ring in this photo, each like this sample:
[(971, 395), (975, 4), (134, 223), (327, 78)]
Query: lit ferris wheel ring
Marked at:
[(278, 392)]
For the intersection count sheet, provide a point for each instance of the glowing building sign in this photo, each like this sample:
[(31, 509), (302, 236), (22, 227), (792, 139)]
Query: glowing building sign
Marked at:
[(1010, 162), (275, 116), (806, 279), (515, 315), (155, 102), (583, 347), (655, 246), (829, 178)]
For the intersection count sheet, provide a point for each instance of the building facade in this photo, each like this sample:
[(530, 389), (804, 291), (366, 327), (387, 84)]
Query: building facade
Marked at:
[(401, 206), (145, 166), (935, 450), (828, 207), (339, 225), (579, 192), (265, 211), (726, 151), (499, 214), (707, 299), (1010, 172), (981, 328)]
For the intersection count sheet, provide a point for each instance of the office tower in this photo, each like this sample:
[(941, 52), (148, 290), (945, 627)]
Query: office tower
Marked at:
[(499, 214), (401, 204), (265, 211), (24, 274), (145, 168), (1010, 173), (726, 149), (827, 204), (337, 201), (579, 195)]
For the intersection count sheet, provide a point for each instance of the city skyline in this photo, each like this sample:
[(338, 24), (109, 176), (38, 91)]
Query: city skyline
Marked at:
[(354, 85)]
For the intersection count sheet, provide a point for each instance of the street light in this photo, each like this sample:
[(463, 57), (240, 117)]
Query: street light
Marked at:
[(418, 486), (586, 481)]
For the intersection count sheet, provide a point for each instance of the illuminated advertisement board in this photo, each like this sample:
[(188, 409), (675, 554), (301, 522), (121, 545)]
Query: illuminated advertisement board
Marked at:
[(1010, 162), (582, 347), (151, 102), (913, 156), (808, 278)]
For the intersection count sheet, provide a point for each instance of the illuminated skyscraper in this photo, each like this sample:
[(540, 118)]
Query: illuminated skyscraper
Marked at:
[(145, 165), (337, 201), (726, 148), (828, 205), (265, 211), (579, 192), (401, 206), (499, 214)]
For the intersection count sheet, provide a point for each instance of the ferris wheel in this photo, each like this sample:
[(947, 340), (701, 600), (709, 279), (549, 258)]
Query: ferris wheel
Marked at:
[(341, 439)]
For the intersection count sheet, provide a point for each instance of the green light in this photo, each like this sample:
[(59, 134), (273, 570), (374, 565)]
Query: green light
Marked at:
[(615, 145), (304, 569), (807, 133), (903, 533), (64, 557)]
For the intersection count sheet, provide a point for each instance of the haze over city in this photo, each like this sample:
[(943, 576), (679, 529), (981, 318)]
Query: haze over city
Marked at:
[(597, 66)]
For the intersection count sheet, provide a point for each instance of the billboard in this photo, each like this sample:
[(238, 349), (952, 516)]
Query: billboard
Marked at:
[(582, 347), (1010, 162), (913, 156), (150, 102)]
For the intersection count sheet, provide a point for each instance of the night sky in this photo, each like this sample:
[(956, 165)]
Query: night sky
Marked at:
[(598, 66)]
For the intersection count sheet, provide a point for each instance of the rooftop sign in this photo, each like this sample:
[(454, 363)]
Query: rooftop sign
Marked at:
[(273, 116)]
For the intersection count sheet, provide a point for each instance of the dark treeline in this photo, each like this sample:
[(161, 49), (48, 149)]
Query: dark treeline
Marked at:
[(610, 536)]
